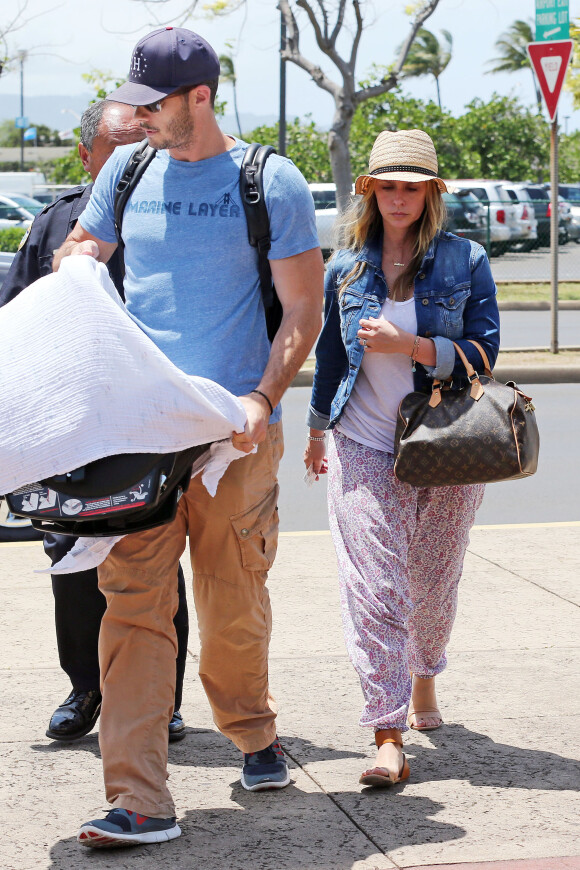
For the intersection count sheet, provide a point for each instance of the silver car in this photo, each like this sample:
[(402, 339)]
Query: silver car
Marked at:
[(17, 210), (504, 228), (526, 216)]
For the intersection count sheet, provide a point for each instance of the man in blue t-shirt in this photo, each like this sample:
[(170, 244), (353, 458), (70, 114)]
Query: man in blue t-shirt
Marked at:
[(192, 284)]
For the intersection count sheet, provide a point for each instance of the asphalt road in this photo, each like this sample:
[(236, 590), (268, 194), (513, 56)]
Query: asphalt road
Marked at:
[(551, 495), (534, 328)]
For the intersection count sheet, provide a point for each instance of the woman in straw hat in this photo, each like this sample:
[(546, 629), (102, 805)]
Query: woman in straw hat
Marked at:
[(398, 294)]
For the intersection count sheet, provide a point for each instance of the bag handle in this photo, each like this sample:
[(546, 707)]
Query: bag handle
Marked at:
[(487, 369), (476, 391)]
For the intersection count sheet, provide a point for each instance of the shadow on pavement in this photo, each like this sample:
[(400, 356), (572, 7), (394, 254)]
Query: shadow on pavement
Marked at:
[(290, 830), (460, 754)]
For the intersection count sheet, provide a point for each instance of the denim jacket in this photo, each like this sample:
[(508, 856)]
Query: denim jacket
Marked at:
[(455, 300)]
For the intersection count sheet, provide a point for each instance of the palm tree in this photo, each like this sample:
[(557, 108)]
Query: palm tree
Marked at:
[(228, 74), (513, 55), (427, 56)]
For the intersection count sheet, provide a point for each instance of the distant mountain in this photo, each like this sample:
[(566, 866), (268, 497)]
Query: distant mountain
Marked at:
[(248, 122), (59, 112)]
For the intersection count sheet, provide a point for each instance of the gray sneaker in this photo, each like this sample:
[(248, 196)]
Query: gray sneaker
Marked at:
[(265, 769), (126, 828)]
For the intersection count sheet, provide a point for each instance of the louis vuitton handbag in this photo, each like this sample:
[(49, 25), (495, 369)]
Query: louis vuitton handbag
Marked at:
[(482, 433)]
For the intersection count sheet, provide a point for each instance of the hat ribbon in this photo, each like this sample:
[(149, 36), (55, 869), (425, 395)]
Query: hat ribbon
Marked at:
[(402, 168)]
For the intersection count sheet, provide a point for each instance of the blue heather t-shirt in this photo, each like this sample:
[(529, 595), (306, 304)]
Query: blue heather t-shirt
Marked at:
[(191, 280)]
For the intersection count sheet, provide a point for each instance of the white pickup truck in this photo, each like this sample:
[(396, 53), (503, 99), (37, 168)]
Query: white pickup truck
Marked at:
[(324, 196)]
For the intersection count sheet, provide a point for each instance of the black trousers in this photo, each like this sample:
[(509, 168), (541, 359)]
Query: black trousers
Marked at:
[(78, 609)]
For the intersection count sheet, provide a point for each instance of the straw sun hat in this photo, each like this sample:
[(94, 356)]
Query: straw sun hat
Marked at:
[(403, 155)]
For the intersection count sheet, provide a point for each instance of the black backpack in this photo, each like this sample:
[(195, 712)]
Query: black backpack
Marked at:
[(253, 200)]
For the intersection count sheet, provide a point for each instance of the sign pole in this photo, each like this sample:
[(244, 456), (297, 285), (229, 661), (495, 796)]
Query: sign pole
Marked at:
[(554, 221)]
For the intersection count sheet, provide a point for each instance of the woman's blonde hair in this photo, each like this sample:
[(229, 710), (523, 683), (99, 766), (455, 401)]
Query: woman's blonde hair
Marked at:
[(363, 222)]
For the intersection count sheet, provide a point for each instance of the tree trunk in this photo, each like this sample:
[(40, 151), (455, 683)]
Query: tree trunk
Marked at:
[(338, 139)]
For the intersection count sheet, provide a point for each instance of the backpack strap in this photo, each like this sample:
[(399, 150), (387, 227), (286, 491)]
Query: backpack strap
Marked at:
[(258, 220), (138, 163)]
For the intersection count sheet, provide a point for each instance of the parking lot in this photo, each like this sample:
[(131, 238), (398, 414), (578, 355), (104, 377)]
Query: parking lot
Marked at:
[(536, 265)]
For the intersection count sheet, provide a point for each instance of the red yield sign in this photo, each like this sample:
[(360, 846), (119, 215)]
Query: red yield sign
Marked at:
[(550, 62)]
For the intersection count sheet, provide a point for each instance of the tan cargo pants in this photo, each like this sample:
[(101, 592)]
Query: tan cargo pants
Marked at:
[(233, 539)]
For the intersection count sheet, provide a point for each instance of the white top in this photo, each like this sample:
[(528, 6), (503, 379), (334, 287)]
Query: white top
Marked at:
[(370, 415)]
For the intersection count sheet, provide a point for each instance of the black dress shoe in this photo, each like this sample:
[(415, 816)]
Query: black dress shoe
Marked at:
[(176, 727), (76, 716)]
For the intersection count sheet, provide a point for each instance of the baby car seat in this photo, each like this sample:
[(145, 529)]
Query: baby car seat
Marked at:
[(110, 496)]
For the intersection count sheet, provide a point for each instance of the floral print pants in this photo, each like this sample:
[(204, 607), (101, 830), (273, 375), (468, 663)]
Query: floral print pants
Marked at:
[(400, 552)]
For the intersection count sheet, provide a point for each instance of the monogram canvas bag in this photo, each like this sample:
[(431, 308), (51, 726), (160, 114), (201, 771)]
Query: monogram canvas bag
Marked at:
[(482, 433)]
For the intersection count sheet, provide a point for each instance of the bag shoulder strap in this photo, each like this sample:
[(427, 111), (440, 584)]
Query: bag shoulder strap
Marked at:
[(258, 221), (138, 163)]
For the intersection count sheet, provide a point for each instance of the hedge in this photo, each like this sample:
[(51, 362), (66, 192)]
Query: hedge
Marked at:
[(10, 239)]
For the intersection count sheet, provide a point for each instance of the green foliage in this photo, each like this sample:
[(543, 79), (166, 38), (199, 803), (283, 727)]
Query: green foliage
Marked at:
[(67, 169), (569, 158), (572, 81), (498, 139), (10, 239), (511, 48), (428, 56), (103, 82), (398, 111), (502, 139), (306, 146)]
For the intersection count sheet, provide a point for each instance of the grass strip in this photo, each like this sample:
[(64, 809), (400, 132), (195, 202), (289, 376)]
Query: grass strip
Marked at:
[(536, 291)]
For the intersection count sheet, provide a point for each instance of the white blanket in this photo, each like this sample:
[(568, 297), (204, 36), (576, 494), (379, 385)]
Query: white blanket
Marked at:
[(80, 380)]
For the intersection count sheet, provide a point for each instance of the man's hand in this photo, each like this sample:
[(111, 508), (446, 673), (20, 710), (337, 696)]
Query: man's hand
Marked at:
[(88, 249), (256, 426), (81, 243)]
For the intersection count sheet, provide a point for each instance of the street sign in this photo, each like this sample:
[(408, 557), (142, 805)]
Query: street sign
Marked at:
[(550, 62), (22, 122), (552, 20)]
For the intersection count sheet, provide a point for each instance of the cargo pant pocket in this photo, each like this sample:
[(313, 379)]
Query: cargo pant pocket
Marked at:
[(256, 530)]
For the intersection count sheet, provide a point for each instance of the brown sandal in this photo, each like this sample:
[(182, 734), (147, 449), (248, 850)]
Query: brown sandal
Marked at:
[(379, 777)]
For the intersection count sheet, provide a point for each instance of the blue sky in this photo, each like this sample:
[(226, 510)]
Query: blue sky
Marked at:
[(71, 38)]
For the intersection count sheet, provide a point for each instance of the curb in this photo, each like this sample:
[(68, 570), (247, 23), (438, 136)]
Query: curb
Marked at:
[(521, 374), (539, 305)]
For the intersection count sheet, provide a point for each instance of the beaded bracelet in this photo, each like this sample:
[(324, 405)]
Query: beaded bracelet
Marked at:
[(316, 437), (415, 350)]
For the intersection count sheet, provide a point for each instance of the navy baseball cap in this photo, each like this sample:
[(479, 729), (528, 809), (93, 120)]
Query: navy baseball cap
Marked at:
[(163, 61)]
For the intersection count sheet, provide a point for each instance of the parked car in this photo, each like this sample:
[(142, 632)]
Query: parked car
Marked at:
[(526, 216), (466, 216), (540, 197), (503, 224), (49, 192), (17, 210), (324, 196), (570, 194)]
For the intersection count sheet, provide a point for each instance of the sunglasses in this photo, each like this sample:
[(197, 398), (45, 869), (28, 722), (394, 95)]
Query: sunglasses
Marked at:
[(156, 107)]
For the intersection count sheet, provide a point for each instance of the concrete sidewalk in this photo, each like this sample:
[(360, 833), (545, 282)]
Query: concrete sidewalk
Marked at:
[(498, 782)]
